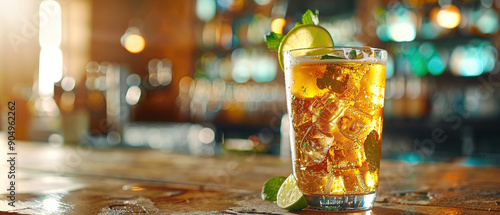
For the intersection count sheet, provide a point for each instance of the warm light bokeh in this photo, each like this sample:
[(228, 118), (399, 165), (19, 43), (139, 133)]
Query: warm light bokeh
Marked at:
[(277, 25), (134, 43), (448, 16)]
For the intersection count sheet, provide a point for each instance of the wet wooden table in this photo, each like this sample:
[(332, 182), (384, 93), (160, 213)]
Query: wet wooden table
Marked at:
[(76, 180)]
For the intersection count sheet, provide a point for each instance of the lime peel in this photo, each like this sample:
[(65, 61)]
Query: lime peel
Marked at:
[(304, 36), (289, 195)]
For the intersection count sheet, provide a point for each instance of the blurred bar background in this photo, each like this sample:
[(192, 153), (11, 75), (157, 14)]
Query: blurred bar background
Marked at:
[(197, 77)]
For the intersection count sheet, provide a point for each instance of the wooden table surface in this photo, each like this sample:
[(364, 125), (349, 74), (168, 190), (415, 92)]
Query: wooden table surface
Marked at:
[(76, 180)]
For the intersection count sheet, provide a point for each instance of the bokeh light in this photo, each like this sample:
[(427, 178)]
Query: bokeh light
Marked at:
[(231, 5), (68, 83), (224, 36), (448, 16), (264, 70), (133, 95), (206, 135), (67, 102), (382, 32), (205, 9), (401, 25), (487, 23), (429, 29), (402, 32), (133, 80), (262, 2), (470, 66), (389, 70), (134, 43), (473, 59), (51, 56), (436, 65), (277, 25)]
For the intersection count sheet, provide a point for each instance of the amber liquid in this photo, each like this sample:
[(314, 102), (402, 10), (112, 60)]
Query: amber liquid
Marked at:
[(336, 108)]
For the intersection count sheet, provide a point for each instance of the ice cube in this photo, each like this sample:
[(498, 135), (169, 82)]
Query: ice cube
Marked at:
[(324, 126), (367, 51), (354, 182), (300, 111), (313, 145), (334, 185), (352, 123), (372, 85), (371, 179), (346, 158), (333, 108), (317, 106), (362, 182), (367, 107)]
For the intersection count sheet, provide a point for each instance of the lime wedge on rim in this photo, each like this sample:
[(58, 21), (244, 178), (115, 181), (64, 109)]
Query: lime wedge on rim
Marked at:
[(289, 195), (304, 36)]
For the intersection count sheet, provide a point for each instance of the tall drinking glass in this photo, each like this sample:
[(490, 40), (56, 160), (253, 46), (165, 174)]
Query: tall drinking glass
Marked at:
[(335, 98)]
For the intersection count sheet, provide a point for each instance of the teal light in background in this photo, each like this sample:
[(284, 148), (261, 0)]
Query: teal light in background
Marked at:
[(470, 66), (488, 56), (418, 63), (473, 59), (429, 30), (487, 22), (412, 158), (382, 32), (403, 65), (436, 65), (427, 50), (241, 71), (419, 66), (401, 25), (402, 31), (224, 4), (262, 2), (235, 41), (264, 69), (205, 9), (471, 62), (389, 68)]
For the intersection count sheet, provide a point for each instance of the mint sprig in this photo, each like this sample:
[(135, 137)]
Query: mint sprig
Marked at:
[(330, 57), (309, 18), (372, 151), (273, 40)]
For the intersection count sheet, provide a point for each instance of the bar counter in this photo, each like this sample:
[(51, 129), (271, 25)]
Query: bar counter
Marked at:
[(75, 180)]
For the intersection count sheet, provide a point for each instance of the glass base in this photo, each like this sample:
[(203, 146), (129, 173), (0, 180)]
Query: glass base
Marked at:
[(341, 203)]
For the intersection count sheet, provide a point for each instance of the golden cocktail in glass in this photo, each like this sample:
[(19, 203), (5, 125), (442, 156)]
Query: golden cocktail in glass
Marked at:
[(335, 99)]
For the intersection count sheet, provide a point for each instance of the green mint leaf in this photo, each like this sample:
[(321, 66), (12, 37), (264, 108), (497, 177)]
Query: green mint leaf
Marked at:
[(329, 82), (309, 18), (372, 151), (304, 89), (352, 54), (273, 40), (330, 57)]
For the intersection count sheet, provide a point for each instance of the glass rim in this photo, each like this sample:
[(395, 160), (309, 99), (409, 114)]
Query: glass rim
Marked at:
[(338, 48), (339, 51)]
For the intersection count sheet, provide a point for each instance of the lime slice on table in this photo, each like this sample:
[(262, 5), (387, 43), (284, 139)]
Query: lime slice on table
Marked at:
[(304, 36), (289, 195), (271, 188)]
